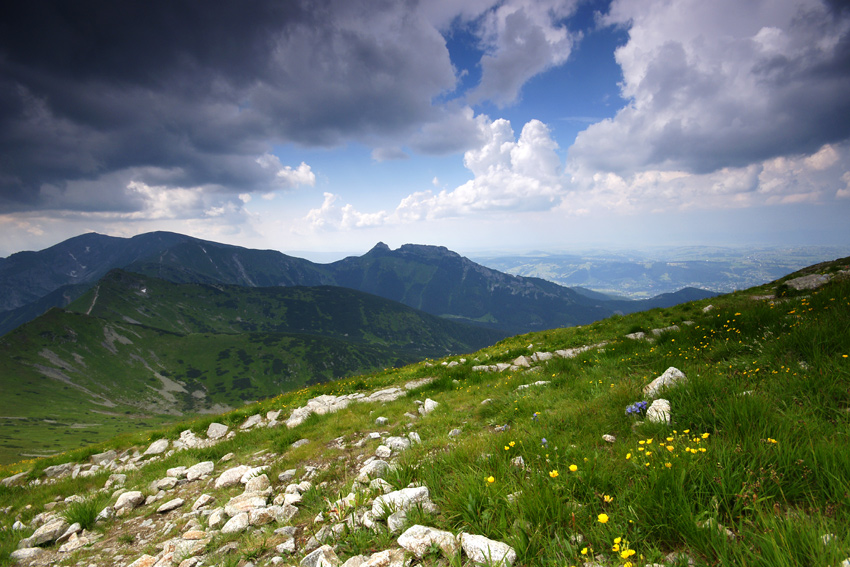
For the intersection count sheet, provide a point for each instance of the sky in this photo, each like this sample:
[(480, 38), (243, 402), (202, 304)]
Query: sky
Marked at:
[(321, 127)]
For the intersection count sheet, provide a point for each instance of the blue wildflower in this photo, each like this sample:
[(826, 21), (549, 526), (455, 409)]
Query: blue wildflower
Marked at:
[(544, 442)]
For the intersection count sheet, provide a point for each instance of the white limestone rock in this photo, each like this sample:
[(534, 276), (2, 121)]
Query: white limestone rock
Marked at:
[(659, 411), (419, 539), (216, 431), (670, 378), (486, 551)]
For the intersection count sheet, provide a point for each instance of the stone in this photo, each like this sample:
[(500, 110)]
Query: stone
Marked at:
[(419, 539), (396, 520), (74, 543), (236, 524), (609, 438), (257, 483), (455, 432), (129, 500), (429, 406), (262, 516), (381, 421), (812, 281), (158, 447), (286, 547), (199, 470), (388, 558), (166, 483), (252, 421), (26, 554), (58, 470), (486, 551), (373, 469), (397, 443), (522, 362), (286, 475), (14, 479), (355, 561), (670, 378), (383, 452), (251, 473), (659, 411), (105, 457), (144, 561), (203, 500), (170, 505), (216, 431), (49, 532), (231, 477), (322, 557), (399, 500), (414, 437), (245, 502), (176, 472), (72, 530)]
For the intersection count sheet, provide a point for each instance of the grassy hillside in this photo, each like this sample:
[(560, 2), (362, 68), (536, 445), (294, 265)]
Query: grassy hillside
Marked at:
[(136, 351), (757, 444)]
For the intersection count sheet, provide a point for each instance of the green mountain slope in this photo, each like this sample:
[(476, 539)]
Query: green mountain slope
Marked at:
[(152, 350)]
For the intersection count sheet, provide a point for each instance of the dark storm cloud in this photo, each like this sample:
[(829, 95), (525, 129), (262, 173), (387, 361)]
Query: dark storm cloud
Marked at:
[(197, 91)]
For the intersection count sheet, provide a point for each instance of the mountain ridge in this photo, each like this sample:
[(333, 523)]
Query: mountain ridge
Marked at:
[(431, 278)]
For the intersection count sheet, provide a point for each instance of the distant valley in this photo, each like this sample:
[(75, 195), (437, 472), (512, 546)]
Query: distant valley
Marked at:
[(643, 274)]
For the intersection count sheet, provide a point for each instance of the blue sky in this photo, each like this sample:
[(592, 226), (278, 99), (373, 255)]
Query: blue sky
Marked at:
[(322, 127)]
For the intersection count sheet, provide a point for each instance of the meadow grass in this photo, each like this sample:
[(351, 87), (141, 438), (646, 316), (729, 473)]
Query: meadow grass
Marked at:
[(752, 470)]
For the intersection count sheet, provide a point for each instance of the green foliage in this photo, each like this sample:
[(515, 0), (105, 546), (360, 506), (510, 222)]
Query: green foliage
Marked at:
[(84, 512)]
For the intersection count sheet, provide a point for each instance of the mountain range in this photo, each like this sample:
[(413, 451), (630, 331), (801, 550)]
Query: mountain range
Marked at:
[(430, 278)]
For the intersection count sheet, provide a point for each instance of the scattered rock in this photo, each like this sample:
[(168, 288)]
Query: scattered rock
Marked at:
[(236, 524), (381, 421), (231, 477), (659, 411), (429, 406), (216, 431), (609, 438), (418, 540), (670, 378), (129, 500), (481, 550), (170, 505), (158, 447), (455, 432), (26, 554), (322, 557), (49, 532), (199, 470)]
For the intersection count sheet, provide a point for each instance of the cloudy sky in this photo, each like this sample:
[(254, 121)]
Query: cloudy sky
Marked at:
[(325, 126)]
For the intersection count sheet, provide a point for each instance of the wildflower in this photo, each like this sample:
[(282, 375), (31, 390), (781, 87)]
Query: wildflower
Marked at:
[(628, 456), (603, 518), (491, 480), (705, 435), (512, 443), (772, 440), (553, 473), (608, 499), (535, 416), (618, 540), (668, 465), (584, 551), (615, 547), (544, 442), (507, 448), (626, 553), (573, 468), (670, 448)]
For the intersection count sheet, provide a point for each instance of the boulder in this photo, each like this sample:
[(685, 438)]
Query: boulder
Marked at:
[(670, 378), (231, 477), (158, 447), (373, 469), (397, 443), (129, 500), (199, 470), (26, 554), (388, 558), (216, 431), (49, 532), (659, 411), (429, 406), (322, 557), (486, 551), (236, 524), (170, 505), (402, 499), (418, 540), (252, 421)]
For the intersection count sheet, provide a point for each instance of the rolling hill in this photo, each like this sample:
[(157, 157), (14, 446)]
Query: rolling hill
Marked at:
[(134, 351)]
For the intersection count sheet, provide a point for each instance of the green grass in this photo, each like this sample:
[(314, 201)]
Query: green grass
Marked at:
[(758, 442)]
